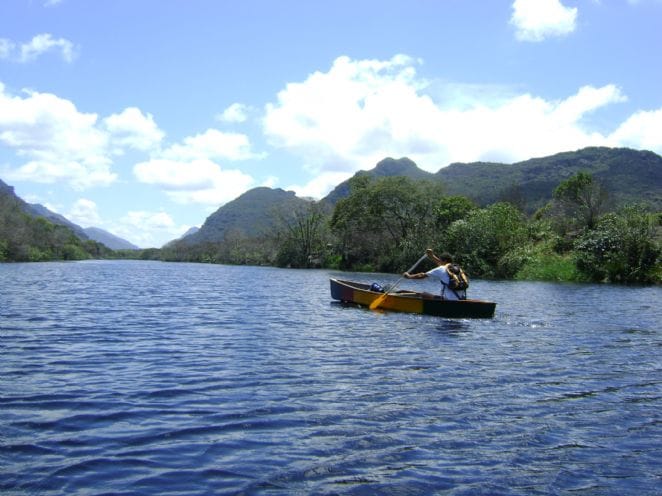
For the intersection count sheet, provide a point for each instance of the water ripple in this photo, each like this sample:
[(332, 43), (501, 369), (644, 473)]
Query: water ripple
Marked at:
[(150, 378)]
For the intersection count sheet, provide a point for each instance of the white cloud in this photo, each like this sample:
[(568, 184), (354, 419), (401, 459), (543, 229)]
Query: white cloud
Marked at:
[(43, 43), (144, 228), (6, 48), (189, 171), (535, 20), (194, 181), (270, 182), (147, 229), (359, 112), (55, 140), (212, 144), (37, 46), (235, 113), (320, 185), (85, 213), (643, 130), (131, 128), (586, 100), (352, 115), (176, 175)]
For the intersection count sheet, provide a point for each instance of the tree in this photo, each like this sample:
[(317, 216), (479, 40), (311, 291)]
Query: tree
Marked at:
[(385, 223), (581, 199), (621, 248), (301, 236), (448, 209), (482, 240)]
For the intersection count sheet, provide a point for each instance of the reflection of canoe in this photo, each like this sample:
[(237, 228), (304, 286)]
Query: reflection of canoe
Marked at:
[(412, 302)]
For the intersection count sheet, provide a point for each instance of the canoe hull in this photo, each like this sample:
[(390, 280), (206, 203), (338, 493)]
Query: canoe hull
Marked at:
[(411, 302)]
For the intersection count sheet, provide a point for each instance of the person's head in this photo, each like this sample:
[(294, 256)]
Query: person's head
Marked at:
[(446, 258)]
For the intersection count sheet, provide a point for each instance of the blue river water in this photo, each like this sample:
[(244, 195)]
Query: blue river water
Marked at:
[(128, 378)]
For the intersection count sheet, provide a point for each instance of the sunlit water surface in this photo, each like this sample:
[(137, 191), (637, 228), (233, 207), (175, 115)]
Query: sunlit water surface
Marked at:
[(155, 378)]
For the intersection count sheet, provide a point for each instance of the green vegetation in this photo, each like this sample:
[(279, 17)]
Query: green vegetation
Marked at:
[(24, 238), (386, 222), (583, 231), (628, 175)]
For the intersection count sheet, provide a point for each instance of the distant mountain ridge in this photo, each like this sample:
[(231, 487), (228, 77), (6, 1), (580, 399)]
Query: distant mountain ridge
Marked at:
[(384, 168), (189, 232), (630, 175), (251, 214), (40, 211), (110, 240)]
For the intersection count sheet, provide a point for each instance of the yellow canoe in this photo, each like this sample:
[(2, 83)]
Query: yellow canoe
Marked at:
[(411, 301)]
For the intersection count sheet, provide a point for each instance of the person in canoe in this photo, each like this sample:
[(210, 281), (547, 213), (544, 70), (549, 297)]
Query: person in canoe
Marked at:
[(454, 282)]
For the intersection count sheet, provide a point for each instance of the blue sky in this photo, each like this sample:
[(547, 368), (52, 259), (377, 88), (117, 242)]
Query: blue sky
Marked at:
[(143, 117)]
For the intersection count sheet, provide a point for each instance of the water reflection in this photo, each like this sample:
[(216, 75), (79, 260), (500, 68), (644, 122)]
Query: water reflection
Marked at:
[(453, 326)]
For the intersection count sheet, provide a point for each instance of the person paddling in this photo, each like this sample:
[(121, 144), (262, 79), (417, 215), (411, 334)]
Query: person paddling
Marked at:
[(441, 273)]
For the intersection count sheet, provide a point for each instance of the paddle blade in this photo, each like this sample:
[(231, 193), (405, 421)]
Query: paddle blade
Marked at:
[(378, 301)]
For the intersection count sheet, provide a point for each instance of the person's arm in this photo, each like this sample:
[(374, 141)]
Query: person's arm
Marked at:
[(419, 275), (433, 257)]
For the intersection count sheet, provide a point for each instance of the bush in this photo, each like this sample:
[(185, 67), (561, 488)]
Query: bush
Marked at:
[(38, 255), (621, 248), (482, 240), (549, 267)]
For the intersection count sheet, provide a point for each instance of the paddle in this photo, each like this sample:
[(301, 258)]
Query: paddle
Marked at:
[(378, 301)]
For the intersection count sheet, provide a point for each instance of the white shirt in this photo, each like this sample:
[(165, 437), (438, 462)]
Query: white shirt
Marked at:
[(441, 274)]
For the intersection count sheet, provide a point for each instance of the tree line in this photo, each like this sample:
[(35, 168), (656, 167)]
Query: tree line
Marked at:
[(26, 238), (386, 223)]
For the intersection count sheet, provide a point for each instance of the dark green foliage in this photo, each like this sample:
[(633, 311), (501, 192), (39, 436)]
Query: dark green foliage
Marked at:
[(252, 214), (629, 175), (34, 239), (621, 248), (582, 200), (482, 240), (448, 209), (25, 237), (385, 223), (302, 237)]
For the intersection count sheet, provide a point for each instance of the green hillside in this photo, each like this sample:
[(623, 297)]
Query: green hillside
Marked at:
[(629, 175), (385, 168), (26, 237), (252, 214)]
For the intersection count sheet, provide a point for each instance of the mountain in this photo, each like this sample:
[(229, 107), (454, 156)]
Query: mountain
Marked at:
[(630, 175), (9, 198), (110, 240), (94, 233), (251, 214), (27, 236), (38, 210), (10, 201), (15, 203), (189, 232), (387, 167)]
